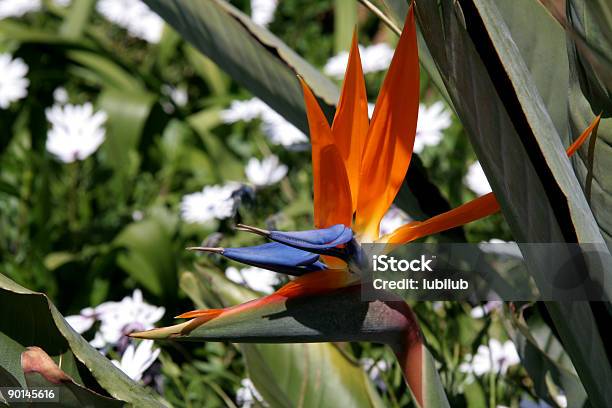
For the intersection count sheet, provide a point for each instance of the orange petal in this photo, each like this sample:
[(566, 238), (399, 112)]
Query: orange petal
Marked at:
[(583, 137), (351, 122), (320, 137), (333, 198), (390, 138), (474, 210), (208, 314)]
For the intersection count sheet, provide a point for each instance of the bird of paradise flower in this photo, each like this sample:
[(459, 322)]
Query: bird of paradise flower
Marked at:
[(358, 167)]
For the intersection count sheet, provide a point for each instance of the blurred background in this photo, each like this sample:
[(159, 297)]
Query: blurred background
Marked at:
[(121, 145)]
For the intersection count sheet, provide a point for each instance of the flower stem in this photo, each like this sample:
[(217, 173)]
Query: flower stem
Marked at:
[(369, 5)]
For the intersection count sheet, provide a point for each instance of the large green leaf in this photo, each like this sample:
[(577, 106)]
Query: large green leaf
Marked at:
[(590, 93), (513, 136), (34, 321), (522, 154), (541, 42), (589, 27), (127, 113)]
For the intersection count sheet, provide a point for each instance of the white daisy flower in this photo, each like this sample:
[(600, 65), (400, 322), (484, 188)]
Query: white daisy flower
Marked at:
[(213, 202), (496, 358), (261, 280), (76, 131), (277, 128), (506, 249), (561, 400), (479, 312), (280, 131), (83, 321), (265, 172), (18, 8), (13, 81), (262, 11), (375, 370), (432, 121), (476, 180), (393, 219), (246, 110), (60, 95), (120, 318), (247, 395), (135, 16), (374, 58), (178, 94), (137, 359)]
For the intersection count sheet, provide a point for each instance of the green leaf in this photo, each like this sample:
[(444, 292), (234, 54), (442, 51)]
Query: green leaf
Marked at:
[(545, 175), (107, 71), (541, 43), (36, 322), (228, 165), (589, 28), (216, 80), (149, 256), (127, 114), (345, 22), (590, 94), (77, 19), (521, 153)]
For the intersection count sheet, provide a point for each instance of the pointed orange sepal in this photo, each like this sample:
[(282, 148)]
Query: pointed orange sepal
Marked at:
[(320, 137), (350, 126), (391, 134), (474, 210), (204, 313), (316, 283), (334, 195), (583, 137)]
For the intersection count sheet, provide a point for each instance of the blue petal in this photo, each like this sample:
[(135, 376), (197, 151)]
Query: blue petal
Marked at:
[(276, 257), (314, 239)]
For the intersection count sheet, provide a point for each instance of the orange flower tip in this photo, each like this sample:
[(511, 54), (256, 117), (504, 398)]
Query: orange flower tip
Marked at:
[(206, 249), (194, 313), (254, 230)]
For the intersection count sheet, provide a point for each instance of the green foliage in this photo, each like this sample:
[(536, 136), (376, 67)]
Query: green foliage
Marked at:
[(91, 231)]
